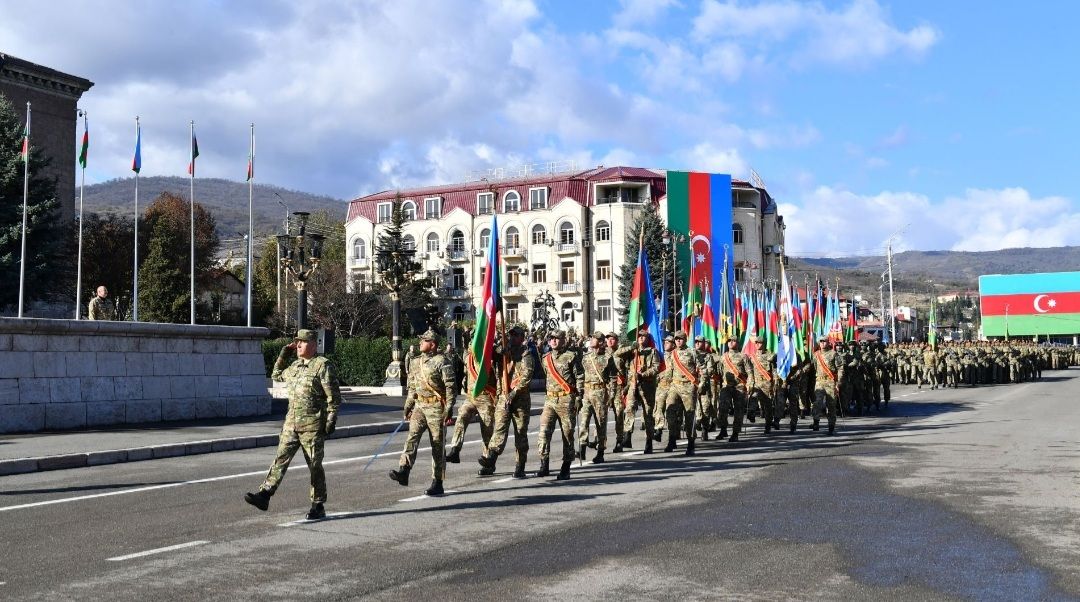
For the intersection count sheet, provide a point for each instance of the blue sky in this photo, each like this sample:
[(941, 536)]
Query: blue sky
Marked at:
[(951, 123)]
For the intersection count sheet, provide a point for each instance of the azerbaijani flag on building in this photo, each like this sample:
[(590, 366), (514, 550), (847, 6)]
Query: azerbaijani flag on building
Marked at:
[(483, 341), (699, 207), (1030, 304)]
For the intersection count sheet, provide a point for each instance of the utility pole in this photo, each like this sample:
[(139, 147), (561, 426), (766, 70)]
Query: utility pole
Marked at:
[(881, 297), (892, 306)]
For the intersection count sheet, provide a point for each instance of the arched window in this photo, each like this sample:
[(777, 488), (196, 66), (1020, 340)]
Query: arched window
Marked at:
[(737, 234), (408, 242), (539, 234), (457, 241), (485, 238), (566, 233), (513, 238), (603, 231), (359, 248), (511, 202), (432, 243), (408, 210), (567, 312)]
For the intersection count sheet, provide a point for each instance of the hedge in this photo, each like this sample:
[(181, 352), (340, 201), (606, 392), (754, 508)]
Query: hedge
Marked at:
[(360, 361)]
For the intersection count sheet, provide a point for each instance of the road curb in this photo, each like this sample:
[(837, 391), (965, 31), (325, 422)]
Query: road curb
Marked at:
[(175, 450)]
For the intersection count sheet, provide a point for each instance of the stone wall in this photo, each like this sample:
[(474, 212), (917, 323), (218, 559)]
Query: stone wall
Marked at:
[(67, 374)]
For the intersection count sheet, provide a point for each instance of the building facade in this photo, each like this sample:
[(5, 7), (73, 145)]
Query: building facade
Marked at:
[(53, 97), (563, 239)]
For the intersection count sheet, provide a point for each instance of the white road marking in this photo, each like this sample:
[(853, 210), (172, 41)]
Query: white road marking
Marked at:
[(636, 453), (417, 498), (304, 521), (178, 546)]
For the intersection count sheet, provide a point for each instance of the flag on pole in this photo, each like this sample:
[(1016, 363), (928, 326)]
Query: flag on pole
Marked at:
[(852, 322), (785, 355), (751, 325), (708, 320), (663, 309), (85, 149), (24, 152), (136, 163), (483, 341), (194, 153), (642, 311), (931, 335), (251, 166)]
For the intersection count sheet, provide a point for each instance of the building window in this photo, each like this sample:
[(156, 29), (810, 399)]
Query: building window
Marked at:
[(359, 248), (603, 232), (740, 274), (538, 198), (539, 234), (603, 270), (566, 272), (511, 312), (386, 211), (458, 282), (568, 312), (432, 243), (408, 210), (513, 278), (485, 238), (408, 242), (433, 208), (737, 234), (485, 203), (511, 202), (539, 273), (457, 241), (603, 310), (513, 238), (566, 233), (459, 313)]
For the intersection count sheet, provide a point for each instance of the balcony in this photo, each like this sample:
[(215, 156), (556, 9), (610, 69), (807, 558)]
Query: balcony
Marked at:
[(515, 291), (452, 293), (566, 248), (568, 288), (514, 253), (461, 254), (361, 263)]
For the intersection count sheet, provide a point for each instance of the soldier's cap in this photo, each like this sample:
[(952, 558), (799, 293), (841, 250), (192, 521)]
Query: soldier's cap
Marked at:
[(517, 330), (612, 335), (430, 335), (669, 338), (306, 334), (680, 335), (557, 334), (755, 338), (598, 335), (701, 339)]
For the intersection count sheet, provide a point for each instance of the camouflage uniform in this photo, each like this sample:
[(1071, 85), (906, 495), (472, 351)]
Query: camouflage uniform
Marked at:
[(682, 393), (429, 400), (764, 388), (930, 370), (663, 383), (599, 371), (102, 308), (826, 368), (565, 382), (642, 367), (514, 405), (736, 378), (481, 406), (314, 399), (618, 393), (706, 392)]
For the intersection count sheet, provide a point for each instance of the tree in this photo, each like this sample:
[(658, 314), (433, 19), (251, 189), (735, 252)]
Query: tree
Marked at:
[(416, 289), (649, 219), (49, 265), (108, 258), (164, 285)]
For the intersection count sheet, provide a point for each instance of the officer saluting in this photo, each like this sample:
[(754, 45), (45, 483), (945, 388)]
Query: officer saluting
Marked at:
[(314, 398)]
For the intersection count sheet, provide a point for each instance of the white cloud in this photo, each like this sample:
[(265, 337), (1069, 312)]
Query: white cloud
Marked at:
[(898, 137), (636, 12), (708, 157), (834, 221)]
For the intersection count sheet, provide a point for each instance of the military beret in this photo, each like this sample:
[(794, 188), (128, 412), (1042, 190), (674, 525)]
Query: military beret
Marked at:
[(306, 334), (430, 335)]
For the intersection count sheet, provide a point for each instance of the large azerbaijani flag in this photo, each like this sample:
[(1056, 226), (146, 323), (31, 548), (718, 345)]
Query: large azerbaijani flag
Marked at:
[(1030, 304), (699, 207), (483, 341)]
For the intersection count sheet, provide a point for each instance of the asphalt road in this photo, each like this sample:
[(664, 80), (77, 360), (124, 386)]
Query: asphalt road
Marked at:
[(953, 494)]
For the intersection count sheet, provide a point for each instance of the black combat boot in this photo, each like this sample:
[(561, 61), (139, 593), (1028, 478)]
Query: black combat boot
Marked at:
[(768, 426), (689, 447), (814, 426), (486, 471), (648, 445), (454, 456), (564, 471), (618, 445), (670, 442), (832, 428), (791, 429), (545, 469), (592, 444), (599, 457), (260, 499), (436, 488), (627, 443), (581, 453), (519, 469), (488, 461), (401, 475), (316, 512), (658, 435), (734, 437)]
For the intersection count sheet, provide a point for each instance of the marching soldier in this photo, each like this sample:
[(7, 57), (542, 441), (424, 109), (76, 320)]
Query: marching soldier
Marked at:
[(705, 392), (481, 406), (764, 389), (642, 367), (736, 379), (314, 399), (599, 371), (618, 392), (514, 404), (663, 383), (682, 393), (827, 368), (429, 401), (564, 384)]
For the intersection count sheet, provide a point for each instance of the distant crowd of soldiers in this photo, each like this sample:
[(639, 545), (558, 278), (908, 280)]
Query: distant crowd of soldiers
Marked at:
[(694, 391)]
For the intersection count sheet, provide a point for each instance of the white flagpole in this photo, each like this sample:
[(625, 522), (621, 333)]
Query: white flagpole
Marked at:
[(26, 196), (135, 271), (192, 155), (82, 188), (251, 222)]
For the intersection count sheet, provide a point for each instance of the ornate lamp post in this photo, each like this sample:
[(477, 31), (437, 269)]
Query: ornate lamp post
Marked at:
[(542, 307), (672, 239), (300, 257), (396, 269)]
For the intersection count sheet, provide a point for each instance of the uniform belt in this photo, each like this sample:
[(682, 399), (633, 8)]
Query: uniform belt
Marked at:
[(594, 387), (558, 394), (429, 398)]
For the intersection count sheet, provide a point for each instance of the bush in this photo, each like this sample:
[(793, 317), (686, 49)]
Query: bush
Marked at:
[(360, 361)]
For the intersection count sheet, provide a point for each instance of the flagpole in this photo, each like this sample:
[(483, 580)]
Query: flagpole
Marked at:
[(26, 196), (136, 166), (82, 188), (192, 196), (251, 223)]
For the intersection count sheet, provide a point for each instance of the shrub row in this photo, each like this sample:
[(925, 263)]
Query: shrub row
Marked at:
[(360, 361)]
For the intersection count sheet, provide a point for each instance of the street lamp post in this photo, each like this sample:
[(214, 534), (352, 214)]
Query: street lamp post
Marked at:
[(299, 257), (673, 239), (396, 269), (542, 306)]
